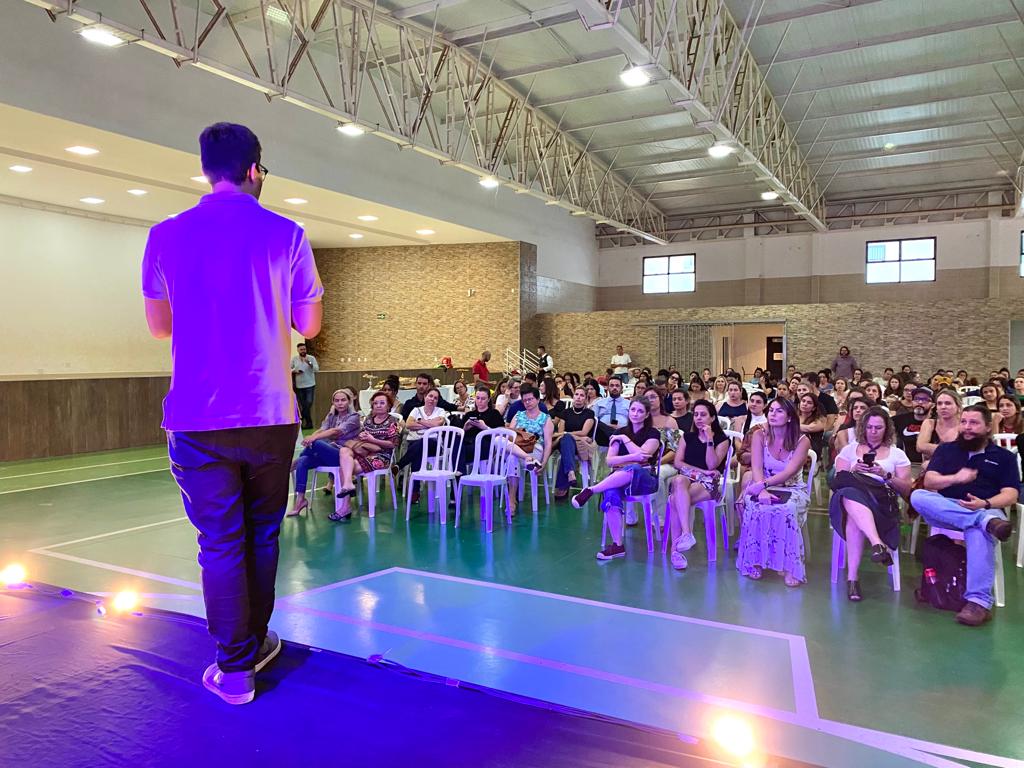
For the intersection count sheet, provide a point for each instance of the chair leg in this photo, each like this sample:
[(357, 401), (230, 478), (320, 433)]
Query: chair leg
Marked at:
[(442, 498), (648, 514), (458, 500), (666, 529), (1020, 535), (408, 501), (913, 534), (1000, 582), (710, 530), (371, 496), (894, 569), (533, 490), (838, 555), (394, 495)]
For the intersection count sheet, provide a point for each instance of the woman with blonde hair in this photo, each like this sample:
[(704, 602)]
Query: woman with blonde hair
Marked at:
[(321, 448), (718, 392), (943, 427)]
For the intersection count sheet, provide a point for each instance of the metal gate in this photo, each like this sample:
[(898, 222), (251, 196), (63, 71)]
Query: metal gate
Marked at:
[(687, 346)]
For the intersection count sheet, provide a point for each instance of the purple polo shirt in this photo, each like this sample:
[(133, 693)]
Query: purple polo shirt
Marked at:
[(232, 271)]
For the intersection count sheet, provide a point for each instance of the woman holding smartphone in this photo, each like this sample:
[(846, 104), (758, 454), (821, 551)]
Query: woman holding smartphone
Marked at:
[(775, 502), (483, 416), (870, 512)]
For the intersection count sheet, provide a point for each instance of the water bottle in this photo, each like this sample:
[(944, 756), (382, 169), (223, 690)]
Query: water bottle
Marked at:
[(930, 576)]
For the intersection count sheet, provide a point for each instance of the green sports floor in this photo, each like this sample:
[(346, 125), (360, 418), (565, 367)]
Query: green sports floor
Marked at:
[(528, 609)]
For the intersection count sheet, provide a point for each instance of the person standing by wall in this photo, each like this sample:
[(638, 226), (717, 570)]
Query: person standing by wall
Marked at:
[(304, 370), (620, 364), (843, 364), (481, 374), (231, 427)]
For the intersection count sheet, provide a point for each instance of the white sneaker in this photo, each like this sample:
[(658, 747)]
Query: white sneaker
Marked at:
[(685, 542), (678, 561)]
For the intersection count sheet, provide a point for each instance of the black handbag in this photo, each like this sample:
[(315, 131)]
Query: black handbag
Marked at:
[(882, 494)]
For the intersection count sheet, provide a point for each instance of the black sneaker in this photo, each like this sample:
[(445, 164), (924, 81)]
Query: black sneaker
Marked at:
[(612, 551), (268, 651), (999, 528), (582, 498)]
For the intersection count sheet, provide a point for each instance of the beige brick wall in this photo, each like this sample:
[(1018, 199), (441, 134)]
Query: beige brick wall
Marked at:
[(423, 293), (969, 333)]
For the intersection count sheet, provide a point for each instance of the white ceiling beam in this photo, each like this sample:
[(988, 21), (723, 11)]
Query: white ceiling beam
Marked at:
[(514, 25), (880, 131), (716, 173), (899, 151), (650, 141), (584, 95), (811, 10), (896, 105), (558, 66), (672, 112), (762, 139), (992, 56), (420, 9), (857, 44)]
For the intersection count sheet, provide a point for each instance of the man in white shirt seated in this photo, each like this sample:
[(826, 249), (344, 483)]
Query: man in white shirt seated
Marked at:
[(620, 364)]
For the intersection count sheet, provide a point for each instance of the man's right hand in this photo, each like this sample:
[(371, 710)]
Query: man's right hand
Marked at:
[(966, 475)]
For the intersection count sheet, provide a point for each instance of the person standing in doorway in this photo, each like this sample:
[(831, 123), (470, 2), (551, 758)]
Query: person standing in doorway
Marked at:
[(231, 427), (620, 365), (304, 371)]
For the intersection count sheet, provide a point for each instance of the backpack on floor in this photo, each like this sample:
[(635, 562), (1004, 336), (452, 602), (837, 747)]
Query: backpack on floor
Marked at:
[(945, 589)]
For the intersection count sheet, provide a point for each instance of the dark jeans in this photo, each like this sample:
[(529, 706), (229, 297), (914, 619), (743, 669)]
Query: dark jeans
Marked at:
[(305, 398), (322, 453), (234, 485), (566, 461)]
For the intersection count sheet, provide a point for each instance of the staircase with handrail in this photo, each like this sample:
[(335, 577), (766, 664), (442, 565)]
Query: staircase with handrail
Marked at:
[(521, 362)]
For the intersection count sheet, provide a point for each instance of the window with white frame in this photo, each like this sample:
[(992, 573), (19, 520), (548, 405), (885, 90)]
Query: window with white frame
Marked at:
[(1022, 253), (670, 274), (901, 261)]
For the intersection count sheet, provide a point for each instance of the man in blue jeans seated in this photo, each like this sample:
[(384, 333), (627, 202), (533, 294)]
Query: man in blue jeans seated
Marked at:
[(968, 484)]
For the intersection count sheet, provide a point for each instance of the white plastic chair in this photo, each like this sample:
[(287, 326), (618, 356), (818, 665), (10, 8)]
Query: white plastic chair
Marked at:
[(1008, 441), (708, 508), (651, 525), (334, 472), (839, 561), (371, 490), (437, 468), (523, 471), (488, 473)]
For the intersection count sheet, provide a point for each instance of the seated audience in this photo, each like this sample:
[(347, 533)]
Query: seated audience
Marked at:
[(639, 387), (320, 449), (534, 438), (826, 404), (668, 430), (775, 502), (574, 440), (463, 402), (893, 392), (697, 390), (718, 393), (610, 412), (681, 409), (370, 451), (944, 427), (966, 487), (483, 416), (812, 422), (990, 392), (593, 390), (420, 419), (784, 391), (825, 380), (840, 391), (734, 404), (632, 457), (550, 397), (846, 433), (866, 504), (908, 423), (1009, 416), (756, 403), (700, 460), (767, 384), (857, 378), (873, 392), (1018, 387), (424, 383), (510, 396)]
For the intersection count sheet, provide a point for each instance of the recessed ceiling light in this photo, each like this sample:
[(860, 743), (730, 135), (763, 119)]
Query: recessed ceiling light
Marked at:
[(100, 36), (720, 150), (80, 150), (367, 217), (296, 200), (200, 179), (550, 202), (356, 236), (351, 129), (137, 192), (579, 213), (489, 182), (91, 200), (634, 76), (770, 195), (888, 146), (424, 231), (1002, 172), (21, 169), (276, 14)]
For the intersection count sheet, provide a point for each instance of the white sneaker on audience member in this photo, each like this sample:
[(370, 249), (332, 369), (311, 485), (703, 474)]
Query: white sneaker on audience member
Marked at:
[(685, 542), (631, 514), (678, 561)]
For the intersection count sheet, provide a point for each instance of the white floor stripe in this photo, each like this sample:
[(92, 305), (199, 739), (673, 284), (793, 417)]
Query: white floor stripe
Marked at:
[(119, 569), (110, 533), (90, 480), (343, 582), (87, 466)]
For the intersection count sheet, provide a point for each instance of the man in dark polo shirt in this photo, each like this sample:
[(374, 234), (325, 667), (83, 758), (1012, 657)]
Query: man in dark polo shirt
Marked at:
[(423, 383), (968, 484)]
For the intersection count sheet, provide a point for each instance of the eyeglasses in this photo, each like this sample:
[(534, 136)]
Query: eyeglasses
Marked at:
[(263, 169)]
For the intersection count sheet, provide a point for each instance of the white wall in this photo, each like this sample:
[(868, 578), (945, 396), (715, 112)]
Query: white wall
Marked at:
[(70, 300), (141, 94), (960, 245)]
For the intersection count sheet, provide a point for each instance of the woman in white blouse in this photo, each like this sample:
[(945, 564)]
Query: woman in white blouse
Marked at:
[(421, 419), (871, 514)]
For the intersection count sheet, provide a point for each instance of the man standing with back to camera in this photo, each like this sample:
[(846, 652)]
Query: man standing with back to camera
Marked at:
[(226, 281)]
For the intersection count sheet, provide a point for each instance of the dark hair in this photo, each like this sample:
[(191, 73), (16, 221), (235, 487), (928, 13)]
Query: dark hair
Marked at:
[(648, 420), (860, 430), (530, 375), (793, 434), (527, 389), (716, 426), (426, 376), (760, 394), (683, 392), (433, 389), (228, 151), (981, 408), (551, 393), (813, 415), (850, 404)]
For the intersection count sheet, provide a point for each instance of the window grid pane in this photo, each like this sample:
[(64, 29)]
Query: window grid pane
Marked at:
[(656, 284), (681, 283), (656, 265), (905, 261), (670, 274)]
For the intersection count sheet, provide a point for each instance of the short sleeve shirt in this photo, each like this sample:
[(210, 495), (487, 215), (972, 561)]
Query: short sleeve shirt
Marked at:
[(480, 369), (890, 463), (695, 452), (232, 272), (997, 469), (645, 434)]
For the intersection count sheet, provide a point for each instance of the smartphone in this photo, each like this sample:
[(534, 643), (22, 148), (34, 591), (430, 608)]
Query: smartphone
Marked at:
[(869, 458)]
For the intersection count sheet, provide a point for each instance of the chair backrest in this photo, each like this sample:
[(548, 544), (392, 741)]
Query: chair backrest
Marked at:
[(1006, 440), (725, 422), (973, 400), (499, 452), (441, 449), (811, 471)]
